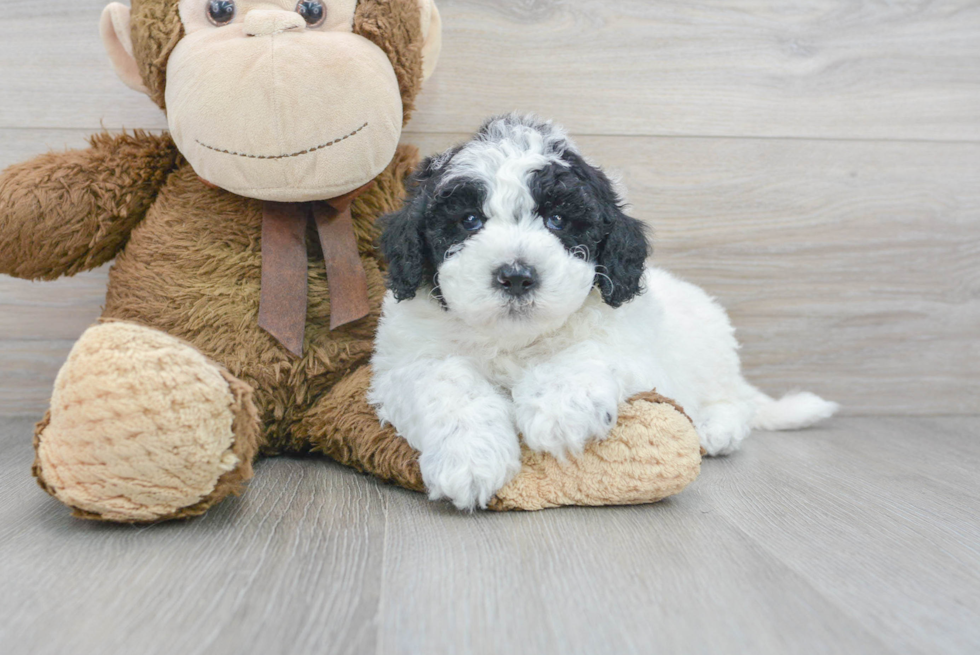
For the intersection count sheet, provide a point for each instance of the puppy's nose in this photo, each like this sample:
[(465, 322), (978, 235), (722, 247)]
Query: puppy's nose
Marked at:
[(515, 279), (265, 22)]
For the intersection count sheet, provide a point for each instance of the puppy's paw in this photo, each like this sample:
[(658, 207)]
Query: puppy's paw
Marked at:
[(562, 419), (722, 428), (469, 470)]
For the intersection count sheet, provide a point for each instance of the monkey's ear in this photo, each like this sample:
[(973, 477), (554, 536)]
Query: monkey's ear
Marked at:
[(432, 37), (118, 42)]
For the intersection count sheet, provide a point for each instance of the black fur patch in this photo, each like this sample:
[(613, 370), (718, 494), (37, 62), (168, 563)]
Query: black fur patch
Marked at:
[(416, 239), (596, 226)]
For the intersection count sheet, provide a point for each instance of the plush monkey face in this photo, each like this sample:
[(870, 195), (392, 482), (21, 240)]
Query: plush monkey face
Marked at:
[(285, 100)]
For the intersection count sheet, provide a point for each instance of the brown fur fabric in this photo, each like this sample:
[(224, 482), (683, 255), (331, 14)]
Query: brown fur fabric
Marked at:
[(156, 30), (63, 213), (654, 397), (193, 269), (343, 426), (395, 27)]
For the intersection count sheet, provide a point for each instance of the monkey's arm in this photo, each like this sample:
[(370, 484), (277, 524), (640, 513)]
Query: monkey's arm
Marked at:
[(66, 212)]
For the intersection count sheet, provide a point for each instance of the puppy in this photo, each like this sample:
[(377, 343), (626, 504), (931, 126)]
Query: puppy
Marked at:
[(520, 303)]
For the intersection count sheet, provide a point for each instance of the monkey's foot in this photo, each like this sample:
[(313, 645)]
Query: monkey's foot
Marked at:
[(653, 452), (143, 427)]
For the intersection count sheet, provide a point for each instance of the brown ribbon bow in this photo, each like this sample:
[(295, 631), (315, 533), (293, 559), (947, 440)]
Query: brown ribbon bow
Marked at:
[(282, 305)]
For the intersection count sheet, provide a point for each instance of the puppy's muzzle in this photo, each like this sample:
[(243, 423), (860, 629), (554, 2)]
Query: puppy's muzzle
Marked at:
[(516, 280)]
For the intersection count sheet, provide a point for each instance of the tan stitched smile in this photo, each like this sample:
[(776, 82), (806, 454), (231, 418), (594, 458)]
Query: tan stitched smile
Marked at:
[(295, 154)]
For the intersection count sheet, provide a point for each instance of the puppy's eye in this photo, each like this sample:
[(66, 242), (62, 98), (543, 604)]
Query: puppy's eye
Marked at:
[(555, 222), (312, 11), (221, 12), (471, 222)]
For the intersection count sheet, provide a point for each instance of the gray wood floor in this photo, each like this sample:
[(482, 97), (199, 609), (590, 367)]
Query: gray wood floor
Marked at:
[(858, 537)]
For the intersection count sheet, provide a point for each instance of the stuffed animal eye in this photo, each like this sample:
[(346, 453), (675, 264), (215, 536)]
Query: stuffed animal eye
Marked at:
[(555, 222), (471, 222), (220, 12), (312, 11)]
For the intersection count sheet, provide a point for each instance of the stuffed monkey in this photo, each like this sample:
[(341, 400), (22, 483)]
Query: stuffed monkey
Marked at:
[(246, 286)]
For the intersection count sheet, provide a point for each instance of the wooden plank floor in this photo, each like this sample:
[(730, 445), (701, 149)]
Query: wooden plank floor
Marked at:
[(858, 537)]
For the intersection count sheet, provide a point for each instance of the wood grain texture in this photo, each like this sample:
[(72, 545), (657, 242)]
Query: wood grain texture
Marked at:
[(824, 68), (611, 580), (844, 539), (893, 528), (851, 268), (294, 566)]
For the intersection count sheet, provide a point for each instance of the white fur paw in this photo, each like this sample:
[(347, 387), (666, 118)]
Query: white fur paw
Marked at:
[(469, 471), (722, 428), (561, 420)]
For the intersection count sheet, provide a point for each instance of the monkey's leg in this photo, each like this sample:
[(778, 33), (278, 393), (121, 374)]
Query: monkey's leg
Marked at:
[(343, 426), (143, 427), (653, 452)]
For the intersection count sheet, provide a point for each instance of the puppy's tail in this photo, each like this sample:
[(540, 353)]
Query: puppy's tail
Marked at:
[(793, 411)]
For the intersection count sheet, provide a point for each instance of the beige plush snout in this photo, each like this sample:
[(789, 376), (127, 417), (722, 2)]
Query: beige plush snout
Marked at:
[(266, 22)]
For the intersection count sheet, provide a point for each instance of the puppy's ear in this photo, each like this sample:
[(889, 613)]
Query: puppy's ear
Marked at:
[(432, 167), (402, 240), (622, 255), (622, 258), (402, 247)]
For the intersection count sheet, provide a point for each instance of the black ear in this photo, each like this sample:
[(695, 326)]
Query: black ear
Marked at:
[(623, 251), (431, 167), (403, 244), (622, 256), (403, 232), (402, 247)]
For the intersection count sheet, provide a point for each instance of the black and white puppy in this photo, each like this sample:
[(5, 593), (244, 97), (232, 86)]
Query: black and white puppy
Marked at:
[(521, 303)]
